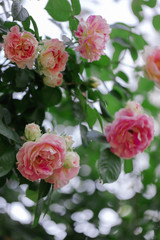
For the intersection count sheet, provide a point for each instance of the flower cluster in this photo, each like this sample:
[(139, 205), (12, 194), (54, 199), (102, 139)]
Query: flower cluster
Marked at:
[(23, 49), (52, 61), (131, 132), (92, 35), (49, 157)]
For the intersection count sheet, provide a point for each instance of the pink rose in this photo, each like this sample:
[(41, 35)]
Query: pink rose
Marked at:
[(69, 170), (38, 160), (20, 48), (92, 35), (152, 63), (53, 80), (52, 58), (130, 133)]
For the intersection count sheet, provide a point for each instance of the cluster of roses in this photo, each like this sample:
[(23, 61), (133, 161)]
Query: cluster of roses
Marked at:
[(23, 48), (48, 156)]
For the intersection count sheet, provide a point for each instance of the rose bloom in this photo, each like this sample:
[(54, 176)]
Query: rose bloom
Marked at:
[(53, 80), (130, 133), (92, 35), (69, 170), (38, 160), (52, 58), (152, 63), (20, 48)]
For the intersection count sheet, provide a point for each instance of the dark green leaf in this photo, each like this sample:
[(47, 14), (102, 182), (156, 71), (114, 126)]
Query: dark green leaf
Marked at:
[(106, 115), (44, 188), (35, 28), (59, 10), (9, 133), (22, 78), (84, 130), (7, 160), (96, 136), (51, 96), (109, 166), (76, 7), (122, 75), (156, 22)]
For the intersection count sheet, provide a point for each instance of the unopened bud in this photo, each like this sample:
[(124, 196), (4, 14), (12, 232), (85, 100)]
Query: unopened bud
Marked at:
[(32, 132)]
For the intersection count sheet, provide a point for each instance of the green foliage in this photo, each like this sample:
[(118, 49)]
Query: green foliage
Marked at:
[(109, 166), (78, 103), (156, 22), (59, 10)]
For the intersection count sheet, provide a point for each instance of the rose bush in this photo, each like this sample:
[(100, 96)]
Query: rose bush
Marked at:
[(152, 63), (21, 48), (130, 133), (92, 35)]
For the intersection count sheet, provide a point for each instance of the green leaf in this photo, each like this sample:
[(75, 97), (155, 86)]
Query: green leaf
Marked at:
[(76, 7), (128, 166), (73, 23), (109, 166), (122, 75), (137, 9), (51, 96), (60, 10), (22, 78), (7, 160), (105, 114), (96, 136), (84, 130), (33, 195), (9, 133), (145, 85), (156, 22), (35, 28), (150, 3), (44, 188), (18, 11), (91, 116)]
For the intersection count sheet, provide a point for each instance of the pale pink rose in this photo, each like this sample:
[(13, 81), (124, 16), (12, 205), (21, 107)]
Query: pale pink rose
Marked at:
[(62, 176), (53, 80), (92, 35), (151, 58), (39, 159), (20, 48), (32, 131), (69, 170), (52, 58), (130, 133), (72, 160)]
